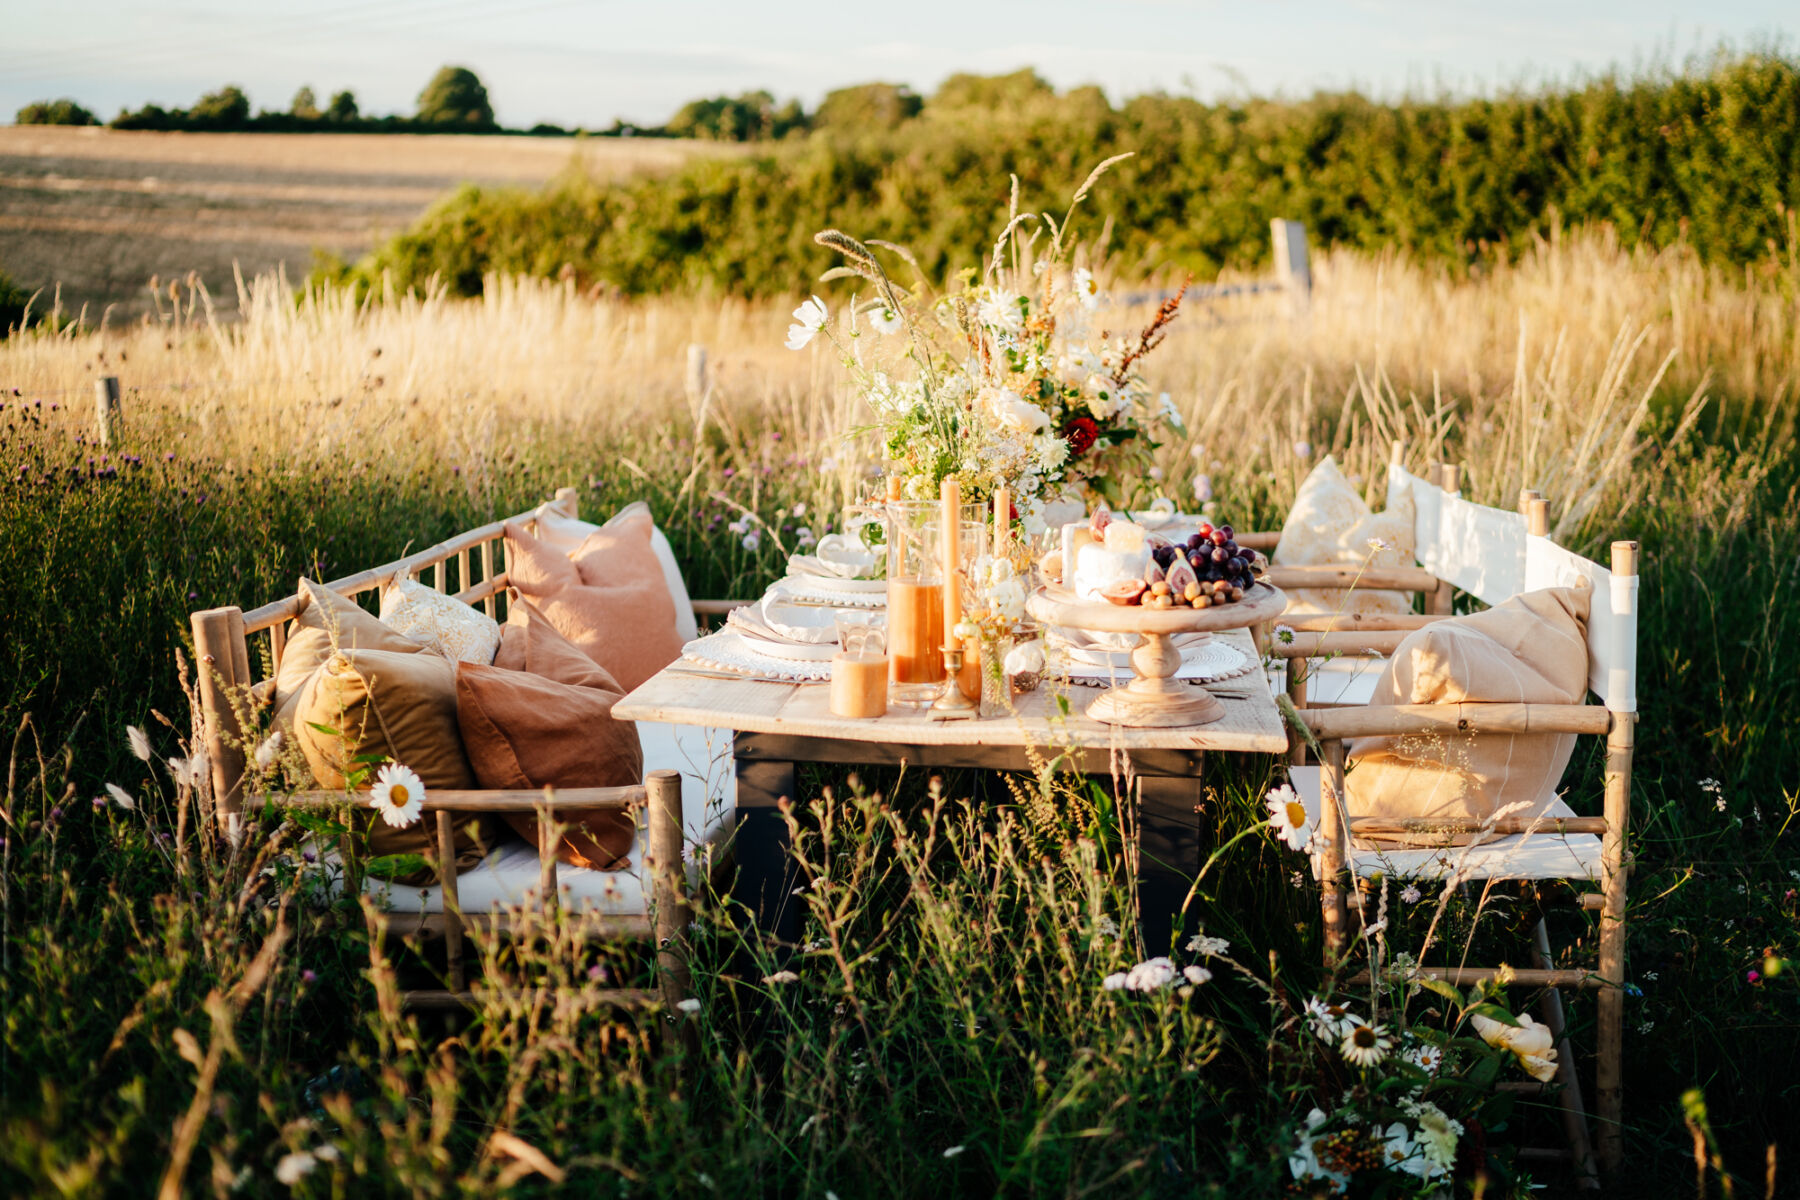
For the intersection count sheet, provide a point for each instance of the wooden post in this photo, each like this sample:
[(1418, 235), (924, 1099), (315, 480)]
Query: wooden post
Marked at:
[(1292, 267), (453, 926), (1574, 1112), (1620, 742), (491, 605), (547, 841), (669, 883), (1295, 669), (1537, 517), (223, 664), (108, 418), (1526, 496), (696, 376), (1331, 828)]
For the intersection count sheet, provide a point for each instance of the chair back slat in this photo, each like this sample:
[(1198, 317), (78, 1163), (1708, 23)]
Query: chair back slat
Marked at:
[(1478, 549), (1612, 617)]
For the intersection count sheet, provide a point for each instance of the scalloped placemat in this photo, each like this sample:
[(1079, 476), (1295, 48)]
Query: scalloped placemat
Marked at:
[(1208, 663)]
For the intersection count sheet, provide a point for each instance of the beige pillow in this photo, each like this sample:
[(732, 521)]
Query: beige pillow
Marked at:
[(1330, 525), (328, 622), (443, 624), (1530, 650), (401, 706)]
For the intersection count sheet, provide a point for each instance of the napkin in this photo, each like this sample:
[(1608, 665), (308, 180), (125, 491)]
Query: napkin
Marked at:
[(777, 620), (839, 556)]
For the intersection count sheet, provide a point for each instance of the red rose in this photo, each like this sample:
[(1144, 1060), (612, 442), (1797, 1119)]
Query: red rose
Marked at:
[(1080, 434)]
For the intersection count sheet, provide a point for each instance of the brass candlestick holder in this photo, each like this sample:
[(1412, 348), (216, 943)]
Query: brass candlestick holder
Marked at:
[(953, 705)]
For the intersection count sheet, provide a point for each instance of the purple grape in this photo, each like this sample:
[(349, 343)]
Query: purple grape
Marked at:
[(1218, 555), (1226, 530), (1235, 565), (1194, 541), (1218, 537)]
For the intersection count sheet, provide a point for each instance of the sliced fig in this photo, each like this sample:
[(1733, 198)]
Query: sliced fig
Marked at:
[(1153, 573), (1125, 591), (1102, 518), (1156, 541), (1179, 576)]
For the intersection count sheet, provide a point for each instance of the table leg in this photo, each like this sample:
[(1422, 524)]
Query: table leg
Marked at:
[(1168, 855), (765, 873)]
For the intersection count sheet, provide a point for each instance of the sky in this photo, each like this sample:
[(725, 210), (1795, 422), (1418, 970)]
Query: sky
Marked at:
[(588, 62)]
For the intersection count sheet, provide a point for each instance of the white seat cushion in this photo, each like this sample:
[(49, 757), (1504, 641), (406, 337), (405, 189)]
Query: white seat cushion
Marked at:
[(1349, 679), (509, 876), (1544, 855)]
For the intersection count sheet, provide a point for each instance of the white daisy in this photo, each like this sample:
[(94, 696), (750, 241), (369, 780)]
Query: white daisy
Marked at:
[(1425, 1056), (885, 320), (1287, 815), (398, 795), (139, 742), (809, 319), (1087, 289), (1364, 1045), (121, 797), (1329, 1021)]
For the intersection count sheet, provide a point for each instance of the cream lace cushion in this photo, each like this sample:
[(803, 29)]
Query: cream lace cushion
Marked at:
[(401, 706), (1330, 525), (610, 600), (443, 624), (526, 730), (1531, 649)]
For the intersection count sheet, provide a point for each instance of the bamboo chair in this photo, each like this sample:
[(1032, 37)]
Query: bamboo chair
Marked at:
[(470, 564), (1511, 553)]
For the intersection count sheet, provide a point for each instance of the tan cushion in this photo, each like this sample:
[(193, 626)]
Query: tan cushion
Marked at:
[(401, 706), (443, 624), (1530, 650), (1330, 525), (525, 730), (611, 601), (327, 622), (529, 642)]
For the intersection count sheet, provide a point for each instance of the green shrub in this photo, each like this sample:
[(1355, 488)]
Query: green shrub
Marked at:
[(456, 99), (1710, 156)]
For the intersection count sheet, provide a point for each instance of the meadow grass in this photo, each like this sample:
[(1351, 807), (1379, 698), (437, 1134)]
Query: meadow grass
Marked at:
[(167, 1001)]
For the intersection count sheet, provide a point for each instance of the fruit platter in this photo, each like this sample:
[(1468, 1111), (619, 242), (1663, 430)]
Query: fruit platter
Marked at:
[(1115, 577)]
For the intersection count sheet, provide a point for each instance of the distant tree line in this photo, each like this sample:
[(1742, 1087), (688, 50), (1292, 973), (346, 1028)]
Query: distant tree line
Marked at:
[(455, 101)]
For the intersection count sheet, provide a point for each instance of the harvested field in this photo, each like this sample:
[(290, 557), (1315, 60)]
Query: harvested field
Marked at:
[(101, 211)]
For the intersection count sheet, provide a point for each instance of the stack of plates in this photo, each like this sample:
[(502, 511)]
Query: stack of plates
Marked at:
[(780, 628)]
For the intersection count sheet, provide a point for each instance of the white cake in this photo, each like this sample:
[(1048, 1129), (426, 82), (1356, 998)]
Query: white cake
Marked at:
[(1124, 555)]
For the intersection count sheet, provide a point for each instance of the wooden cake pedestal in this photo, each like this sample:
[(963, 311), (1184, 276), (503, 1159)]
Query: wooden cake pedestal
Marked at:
[(1155, 699)]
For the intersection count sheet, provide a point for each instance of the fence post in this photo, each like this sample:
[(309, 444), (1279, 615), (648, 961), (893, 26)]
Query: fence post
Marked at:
[(107, 416), (1292, 267)]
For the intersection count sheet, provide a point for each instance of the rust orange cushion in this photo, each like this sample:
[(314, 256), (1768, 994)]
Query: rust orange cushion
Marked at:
[(548, 722), (610, 598)]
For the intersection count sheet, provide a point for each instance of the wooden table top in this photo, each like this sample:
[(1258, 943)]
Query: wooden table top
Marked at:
[(686, 694)]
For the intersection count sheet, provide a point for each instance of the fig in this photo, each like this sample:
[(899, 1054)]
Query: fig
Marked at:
[(1102, 518), (1125, 591), (1153, 573), (1180, 575)]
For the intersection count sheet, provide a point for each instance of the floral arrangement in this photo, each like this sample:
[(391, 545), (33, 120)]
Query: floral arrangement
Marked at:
[(1006, 380)]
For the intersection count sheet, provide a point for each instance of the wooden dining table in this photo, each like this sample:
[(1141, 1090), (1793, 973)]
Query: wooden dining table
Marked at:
[(779, 725)]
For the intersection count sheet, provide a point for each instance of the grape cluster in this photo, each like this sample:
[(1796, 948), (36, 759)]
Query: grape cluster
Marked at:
[(1223, 570)]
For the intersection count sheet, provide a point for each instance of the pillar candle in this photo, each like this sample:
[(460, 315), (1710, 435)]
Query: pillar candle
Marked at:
[(893, 483), (952, 556), (1002, 521)]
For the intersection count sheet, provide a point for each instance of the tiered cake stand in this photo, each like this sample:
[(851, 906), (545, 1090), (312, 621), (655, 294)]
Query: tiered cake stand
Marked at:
[(1154, 699)]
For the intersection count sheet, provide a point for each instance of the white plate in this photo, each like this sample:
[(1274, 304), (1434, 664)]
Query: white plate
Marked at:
[(840, 585), (792, 651)]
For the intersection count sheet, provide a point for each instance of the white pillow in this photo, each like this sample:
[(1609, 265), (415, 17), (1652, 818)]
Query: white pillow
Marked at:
[(565, 534), (444, 624), (1330, 525)]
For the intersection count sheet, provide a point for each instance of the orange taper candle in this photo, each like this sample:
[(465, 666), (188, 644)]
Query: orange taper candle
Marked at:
[(952, 556)]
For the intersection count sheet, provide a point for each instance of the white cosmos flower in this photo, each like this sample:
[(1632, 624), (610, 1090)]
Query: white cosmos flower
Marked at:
[(121, 797), (885, 320), (1210, 947), (1364, 1045), (809, 319), (1329, 1021), (294, 1167), (1287, 816), (398, 795), (139, 741), (1087, 289)]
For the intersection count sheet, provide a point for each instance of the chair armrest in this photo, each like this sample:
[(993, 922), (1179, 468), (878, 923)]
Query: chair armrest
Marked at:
[(1360, 622), (1258, 539), (1405, 579), (1408, 720), (1502, 826), (1316, 645), (605, 799)]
